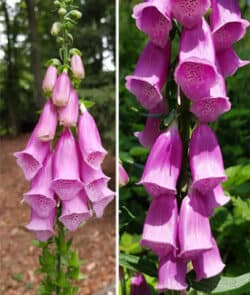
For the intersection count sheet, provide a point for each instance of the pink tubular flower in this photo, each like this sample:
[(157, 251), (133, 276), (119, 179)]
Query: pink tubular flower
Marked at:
[(61, 90), (189, 12), (162, 168), (194, 228), (41, 197), (77, 67), (66, 174), (209, 108), (171, 274), (160, 227), (123, 176), (32, 157), (139, 285), (101, 201), (153, 18), (150, 75), (89, 140), (229, 62), (196, 72), (42, 227), (226, 23), (68, 115), (205, 159), (47, 123), (208, 264), (49, 80), (75, 211)]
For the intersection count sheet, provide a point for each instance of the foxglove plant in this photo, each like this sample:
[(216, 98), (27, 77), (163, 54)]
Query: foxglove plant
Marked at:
[(184, 194), (62, 160)]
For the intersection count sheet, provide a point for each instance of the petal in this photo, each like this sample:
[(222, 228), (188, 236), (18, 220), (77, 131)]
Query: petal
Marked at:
[(139, 285)]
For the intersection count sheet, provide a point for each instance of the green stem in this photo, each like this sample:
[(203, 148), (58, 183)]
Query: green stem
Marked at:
[(61, 241), (123, 286)]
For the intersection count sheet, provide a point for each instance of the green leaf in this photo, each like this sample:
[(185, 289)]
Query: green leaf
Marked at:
[(74, 261), (138, 151), (17, 276), (87, 103), (237, 175), (130, 243)]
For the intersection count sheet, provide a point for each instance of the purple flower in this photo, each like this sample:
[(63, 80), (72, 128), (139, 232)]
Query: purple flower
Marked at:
[(75, 211), (40, 197), (32, 157), (153, 18), (226, 23), (206, 159), (139, 285), (229, 62), (66, 174), (160, 227), (68, 115), (189, 12), (171, 274), (196, 72), (47, 123), (100, 202), (61, 90), (194, 228), (209, 108), (150, 75), (77, 67), (123, 176), (208, 264), (162, 168), (49, 80), (89, 140), (42, 227)]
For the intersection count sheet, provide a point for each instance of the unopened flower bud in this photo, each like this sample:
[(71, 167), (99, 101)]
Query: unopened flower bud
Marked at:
[(76, 14), (55, 29), (77, 67), (62, 11), (49, 80)]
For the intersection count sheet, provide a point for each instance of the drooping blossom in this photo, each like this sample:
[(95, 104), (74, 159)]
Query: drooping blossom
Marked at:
[(40, 197), (123, 176), (49, 80), (99, 204), (61, 91), (206, 160), (196, 72), (89, 140), (150, 75), (77, 67), (68, 115), (66, 172), (139, 286), (163, 165), (154, 18), (226, 23), (42, 227), (47, 123), (160, 226), (189, 12)]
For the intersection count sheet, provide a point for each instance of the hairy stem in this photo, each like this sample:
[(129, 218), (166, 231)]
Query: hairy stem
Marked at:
[(60, 242)]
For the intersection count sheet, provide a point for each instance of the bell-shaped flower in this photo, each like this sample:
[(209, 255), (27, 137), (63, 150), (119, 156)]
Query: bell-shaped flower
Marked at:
[(171, 274), (89, 140), (100, 202), (32, 157), (209, 108), (123, 176), (153, 18), (66, 172), (229, 62), (189, 12), (75, 211), (148, 136), (61, 91), (226, 23), (77, 67), (47, 124), (163, 165), (206, 160), (196, 72), (42, 227), (139, 286), (150, 75), (160, 226), (194, 228), (208, 263), (68, 115), (49, 80), (40, 197)]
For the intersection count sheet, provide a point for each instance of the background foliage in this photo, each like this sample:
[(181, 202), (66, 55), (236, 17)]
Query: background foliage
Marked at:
[(230, 224)]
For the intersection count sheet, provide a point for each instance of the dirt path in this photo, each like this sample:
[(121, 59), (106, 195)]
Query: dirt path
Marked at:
[(95, 241)]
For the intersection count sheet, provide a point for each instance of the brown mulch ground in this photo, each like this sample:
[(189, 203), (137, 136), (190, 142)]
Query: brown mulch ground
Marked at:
[(95, 241)]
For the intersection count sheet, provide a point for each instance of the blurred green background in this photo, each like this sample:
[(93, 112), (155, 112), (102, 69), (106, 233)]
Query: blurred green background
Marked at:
[(231, 224), (26, 45)]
